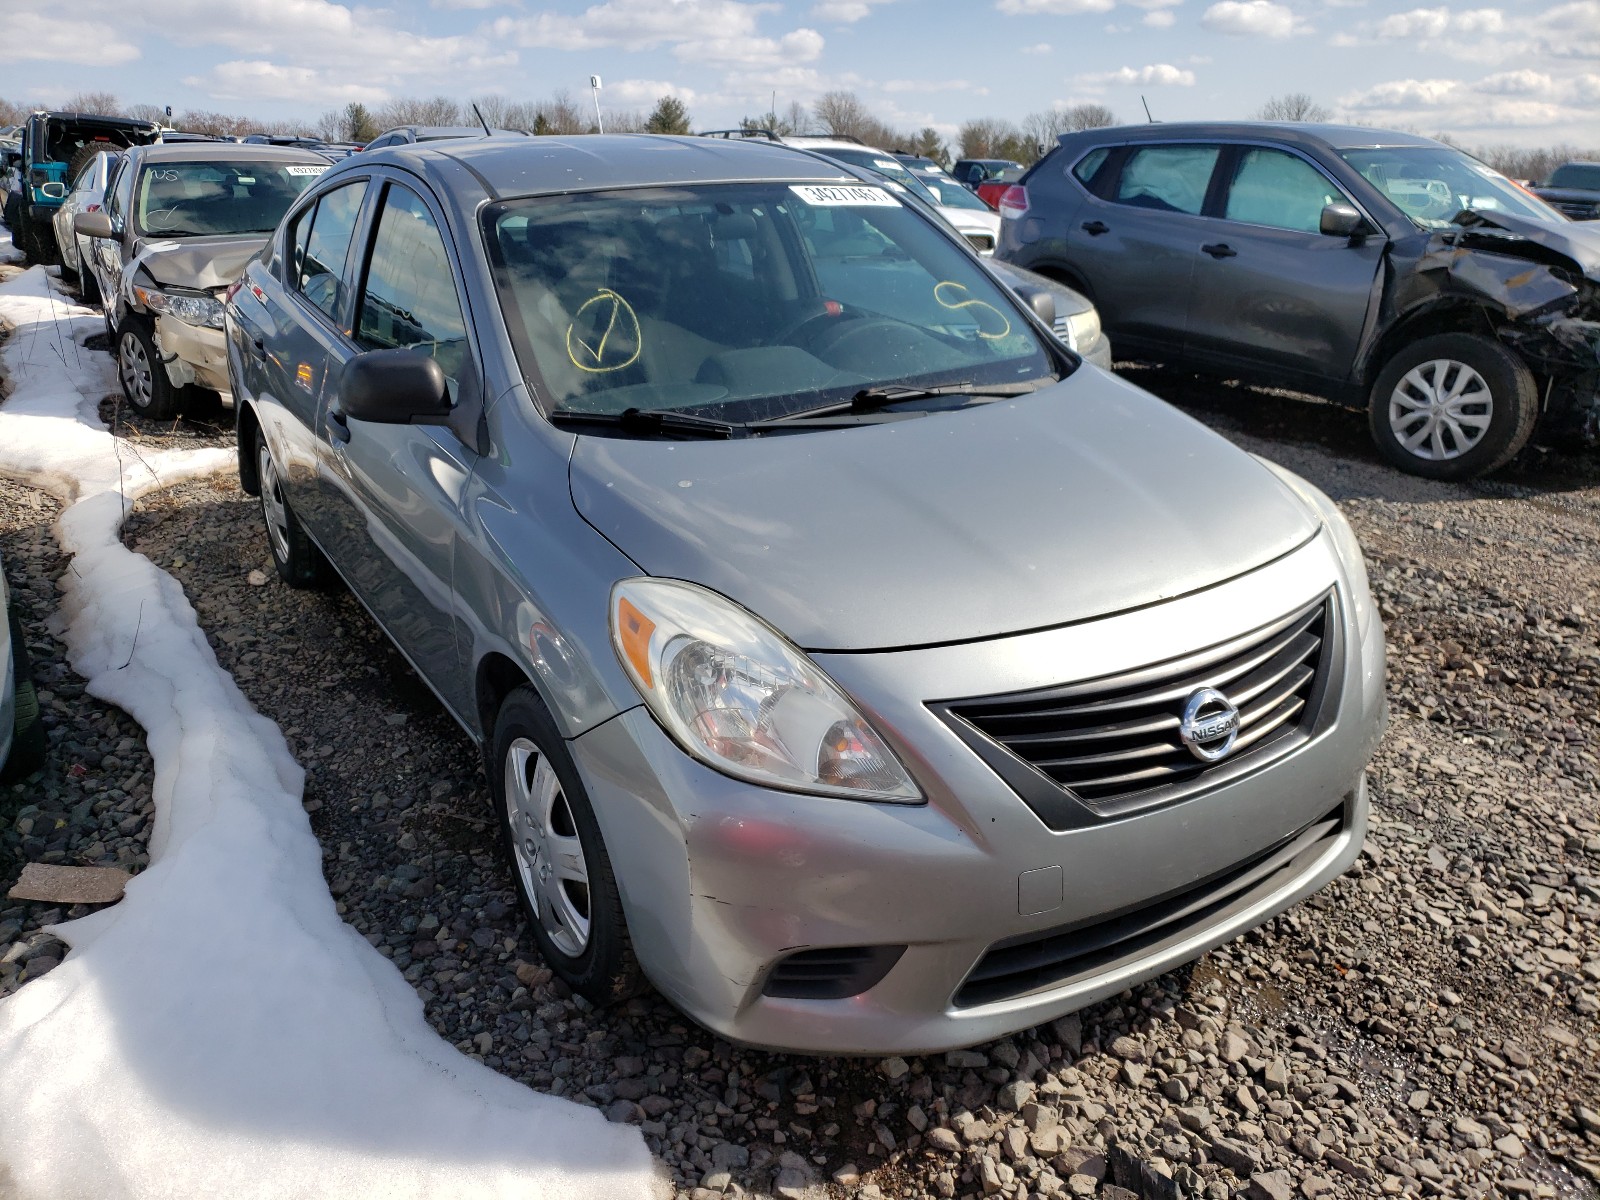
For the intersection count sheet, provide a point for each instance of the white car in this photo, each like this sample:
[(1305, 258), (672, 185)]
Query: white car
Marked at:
[(981, 227), (87, 195)]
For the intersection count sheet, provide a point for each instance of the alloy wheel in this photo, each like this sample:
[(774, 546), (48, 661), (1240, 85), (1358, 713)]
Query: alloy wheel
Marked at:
[(134, 366), (1440, 409), (549, 855), (273, 509)]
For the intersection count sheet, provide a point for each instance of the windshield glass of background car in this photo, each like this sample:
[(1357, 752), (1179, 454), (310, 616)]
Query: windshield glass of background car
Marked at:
[(889, 168), (746, 301), (198, 199), (1432, 184), (952, 195)]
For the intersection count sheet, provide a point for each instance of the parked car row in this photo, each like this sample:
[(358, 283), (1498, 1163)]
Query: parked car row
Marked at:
[(1380, 269), (734, 508)]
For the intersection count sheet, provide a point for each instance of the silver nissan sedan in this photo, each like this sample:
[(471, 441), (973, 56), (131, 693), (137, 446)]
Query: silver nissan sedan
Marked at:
[(851, 660)]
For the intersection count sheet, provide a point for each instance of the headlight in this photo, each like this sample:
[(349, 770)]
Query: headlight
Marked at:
[(1083, 329), (205, 311), (736, 695), (1345, 544)]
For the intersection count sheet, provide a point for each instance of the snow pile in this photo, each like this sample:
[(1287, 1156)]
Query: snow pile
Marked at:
[(221, 1032)]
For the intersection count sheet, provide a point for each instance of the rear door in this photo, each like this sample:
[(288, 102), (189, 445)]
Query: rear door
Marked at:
[(1136, 240), (1270, 290), (391, 511)]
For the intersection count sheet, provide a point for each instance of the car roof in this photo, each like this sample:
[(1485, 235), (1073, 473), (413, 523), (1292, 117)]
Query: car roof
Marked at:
[(592, 162), (97, 119), (228, 151), (1294, 133)]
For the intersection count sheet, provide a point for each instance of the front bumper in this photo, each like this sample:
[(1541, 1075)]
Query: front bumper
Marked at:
[(193, 354), (721, 879)]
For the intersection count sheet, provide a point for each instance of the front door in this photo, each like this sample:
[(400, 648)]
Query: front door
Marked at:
[(393, 505), (1269, 288)]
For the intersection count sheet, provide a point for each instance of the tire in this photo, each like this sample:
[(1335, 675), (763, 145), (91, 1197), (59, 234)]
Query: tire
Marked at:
[(1484, 395), (29, 746), (300, 564), (144, 379), (84, 155), (551, 837), (38, 242)]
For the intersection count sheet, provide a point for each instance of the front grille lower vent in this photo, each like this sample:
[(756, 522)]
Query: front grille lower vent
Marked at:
[(1113, 738), (1579, 210), (831, 973), (981, 242), (1059, 957)]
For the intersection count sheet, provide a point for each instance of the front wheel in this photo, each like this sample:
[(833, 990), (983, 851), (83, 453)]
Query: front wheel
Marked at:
[(298, 561), (139, 367), (1453, 406), (558, 857)]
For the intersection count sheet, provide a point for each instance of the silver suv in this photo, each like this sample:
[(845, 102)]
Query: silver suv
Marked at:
[(848, 659)]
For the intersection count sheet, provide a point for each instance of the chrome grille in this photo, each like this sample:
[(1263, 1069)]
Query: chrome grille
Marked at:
[(1109, 740), (1579, 210)]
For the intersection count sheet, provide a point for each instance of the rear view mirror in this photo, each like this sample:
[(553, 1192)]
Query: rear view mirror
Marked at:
[(1342, 220), (1042, 303), (54, 191), (94, 225), (394, 387)]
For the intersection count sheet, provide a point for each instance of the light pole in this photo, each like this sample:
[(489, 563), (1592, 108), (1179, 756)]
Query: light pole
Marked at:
[(594, 82)]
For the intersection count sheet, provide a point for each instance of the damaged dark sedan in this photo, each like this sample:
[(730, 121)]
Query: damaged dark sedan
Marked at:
[(1380, 269)]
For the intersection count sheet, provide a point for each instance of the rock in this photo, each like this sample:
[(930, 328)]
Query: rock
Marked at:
[(624, 1112), (1014, 1095), (894, 1068), (943, 1139), (1082, 1185), (847, 1175), (1132, 1074), (794, 1184), (1271, 1185), (1275, 1077), (1068, 1030), (1128, 1048), (1466, 1132), (730, 1156), (1234, 1047), (1236, 1156)]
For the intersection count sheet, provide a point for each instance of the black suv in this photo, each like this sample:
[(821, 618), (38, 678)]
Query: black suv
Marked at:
[(1381, 269)]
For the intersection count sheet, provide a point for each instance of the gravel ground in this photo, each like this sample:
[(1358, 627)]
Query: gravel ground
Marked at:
[(1425, 1026)]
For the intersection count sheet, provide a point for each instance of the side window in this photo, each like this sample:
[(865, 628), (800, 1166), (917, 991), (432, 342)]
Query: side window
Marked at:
[(410, 295), (1273, 188), (322, 243), (1089, 165), (117, 188), (1170, 178)]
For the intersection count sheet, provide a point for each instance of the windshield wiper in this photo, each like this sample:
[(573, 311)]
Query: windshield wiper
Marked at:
[(873, 399), (646, 420)]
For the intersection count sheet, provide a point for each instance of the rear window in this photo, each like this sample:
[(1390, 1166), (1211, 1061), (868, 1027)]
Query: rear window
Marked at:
[(1173, 178), (1577, 175)]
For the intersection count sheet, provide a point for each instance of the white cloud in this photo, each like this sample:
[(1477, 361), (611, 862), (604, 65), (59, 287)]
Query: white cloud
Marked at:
[(1252, 18), (1037, 48), (803, 45), (1521, 99), (646, 91), (933, 85), (1054, 8), (258, 79), (635, 24), (51, 38), (1161, 18), (843, 12), (1157, 73), (1518, 83), (464, 3), (1435, 22)]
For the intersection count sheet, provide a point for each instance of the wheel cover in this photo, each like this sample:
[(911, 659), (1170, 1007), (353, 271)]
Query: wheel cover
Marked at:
[(273, 508), (133, 364), (544, 842), (1440, 409)]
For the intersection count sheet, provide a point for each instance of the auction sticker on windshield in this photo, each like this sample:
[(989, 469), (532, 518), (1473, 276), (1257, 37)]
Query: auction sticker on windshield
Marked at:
[(305, 170), (834, 197)]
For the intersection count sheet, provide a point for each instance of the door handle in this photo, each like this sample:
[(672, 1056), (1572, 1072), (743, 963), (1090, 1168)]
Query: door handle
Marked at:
[(338, 426), (1096, 228), (261, 347), (1220, 250)]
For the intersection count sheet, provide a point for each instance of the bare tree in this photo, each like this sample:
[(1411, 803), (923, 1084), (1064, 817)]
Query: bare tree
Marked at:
[(147, 112), (493, 107), (330, 126), (796, 118), (102, 104), (560, 115), (1294, 106), (217, 124), (928, 143), (1533, 163), (419, 110)]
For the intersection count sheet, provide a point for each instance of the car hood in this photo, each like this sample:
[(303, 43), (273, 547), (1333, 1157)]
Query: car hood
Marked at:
[(1085, 499), (1566, 193), (1548, 242), (971, 218), (205, 263)]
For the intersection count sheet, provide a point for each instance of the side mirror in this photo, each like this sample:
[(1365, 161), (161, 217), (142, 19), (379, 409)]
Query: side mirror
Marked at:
[(95, 225), (54, 191), (1042, 303), (1342, 220), (394, 387)]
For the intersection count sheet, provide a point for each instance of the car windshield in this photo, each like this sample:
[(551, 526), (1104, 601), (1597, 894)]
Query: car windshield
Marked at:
[(1431, 184), (201, 199), (889, 168), (1577, 175), (743, 302)]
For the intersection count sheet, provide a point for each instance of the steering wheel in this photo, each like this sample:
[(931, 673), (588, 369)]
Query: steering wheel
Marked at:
[(815, 314), (854, 332), (162, 218)]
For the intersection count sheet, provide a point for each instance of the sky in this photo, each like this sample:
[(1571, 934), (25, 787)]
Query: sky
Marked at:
[(1525, 72)]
